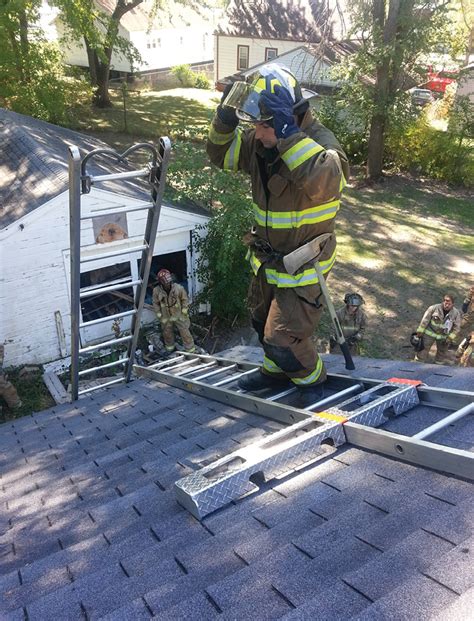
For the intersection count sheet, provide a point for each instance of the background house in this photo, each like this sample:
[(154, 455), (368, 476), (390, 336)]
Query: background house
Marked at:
[(178, 34), (254, 33), (35, 248)]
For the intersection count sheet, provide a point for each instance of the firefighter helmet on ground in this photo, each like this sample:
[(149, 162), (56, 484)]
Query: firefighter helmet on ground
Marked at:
[(164, 277), (353, 299), (417, 342), (245, 96)]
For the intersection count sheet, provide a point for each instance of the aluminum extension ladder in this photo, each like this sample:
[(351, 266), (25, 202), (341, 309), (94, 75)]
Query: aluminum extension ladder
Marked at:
[(81, 182), (350, 412)]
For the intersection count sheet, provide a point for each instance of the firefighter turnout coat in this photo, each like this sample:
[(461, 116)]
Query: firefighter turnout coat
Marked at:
[(171, 309), (439, 325), (296, 191)]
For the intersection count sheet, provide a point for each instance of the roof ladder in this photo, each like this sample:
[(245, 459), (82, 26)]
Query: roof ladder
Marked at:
[(80, 183), (349, 411)]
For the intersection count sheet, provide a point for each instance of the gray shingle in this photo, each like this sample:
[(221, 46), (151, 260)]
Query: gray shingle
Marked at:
[(455, 569)]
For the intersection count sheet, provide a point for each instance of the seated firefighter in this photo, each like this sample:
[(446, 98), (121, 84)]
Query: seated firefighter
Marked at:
[(353, 322), (440, 326), (170, 302), (7, 390)]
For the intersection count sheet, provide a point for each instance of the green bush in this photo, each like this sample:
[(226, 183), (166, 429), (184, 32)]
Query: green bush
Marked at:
[(423, 149), (185, 76), (202, 81), (221, 266)]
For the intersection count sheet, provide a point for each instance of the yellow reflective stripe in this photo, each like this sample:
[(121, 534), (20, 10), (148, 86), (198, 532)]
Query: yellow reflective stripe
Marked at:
[(217, 138), (336, 417), (312, 377), (343, 183), (231, 159), (434, 335), (296, 219), (300, 152), (254, 262), (261, 85), (283, 280), (270, 366)]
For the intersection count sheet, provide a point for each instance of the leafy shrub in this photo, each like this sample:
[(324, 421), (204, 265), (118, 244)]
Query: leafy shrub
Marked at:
[(221, 265), (185, 76), (422, 149), (202, 81)]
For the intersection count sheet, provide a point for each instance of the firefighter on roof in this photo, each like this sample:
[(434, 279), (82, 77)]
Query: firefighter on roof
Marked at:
[(297, 170)]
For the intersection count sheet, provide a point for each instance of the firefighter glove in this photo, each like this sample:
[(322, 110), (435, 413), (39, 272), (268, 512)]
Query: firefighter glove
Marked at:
[(226, 113), (280, 104), (158, 316), (185, 311)]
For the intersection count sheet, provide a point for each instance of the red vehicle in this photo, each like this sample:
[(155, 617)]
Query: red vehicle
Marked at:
[(439, 80)]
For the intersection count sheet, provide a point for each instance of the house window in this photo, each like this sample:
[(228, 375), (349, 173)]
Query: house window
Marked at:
[(270, 53), (242, 57)]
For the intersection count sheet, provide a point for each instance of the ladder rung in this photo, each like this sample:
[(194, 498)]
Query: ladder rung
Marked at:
[(164, 363), (284, 393), (115, 253), (122, 339), (132, 174), (100, 290), (233, 378), (104, 385), (194, 369), (187, 362), (94, 322), (115, 210), (229, 367), (103, 366)]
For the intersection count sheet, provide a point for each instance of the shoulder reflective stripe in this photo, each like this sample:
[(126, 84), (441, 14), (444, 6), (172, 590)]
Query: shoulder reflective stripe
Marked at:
[(307, 277), (217, 138), (312, 377), (296, 219), (343, 183), (270, 366), (231, 159), (300, 152)]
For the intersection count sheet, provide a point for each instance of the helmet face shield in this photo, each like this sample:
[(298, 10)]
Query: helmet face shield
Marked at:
[(245, 99)]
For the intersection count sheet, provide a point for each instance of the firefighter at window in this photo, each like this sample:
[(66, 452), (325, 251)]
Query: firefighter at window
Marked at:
[(353, 322), (297, 170), (7, 390), (171, 305), (440, 326)]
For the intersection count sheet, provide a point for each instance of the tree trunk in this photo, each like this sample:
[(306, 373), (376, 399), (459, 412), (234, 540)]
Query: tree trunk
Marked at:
[(101, 94), (376, 147)]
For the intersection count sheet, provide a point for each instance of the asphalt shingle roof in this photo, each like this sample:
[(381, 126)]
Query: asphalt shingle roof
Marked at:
[(34, 166), (90, 528)]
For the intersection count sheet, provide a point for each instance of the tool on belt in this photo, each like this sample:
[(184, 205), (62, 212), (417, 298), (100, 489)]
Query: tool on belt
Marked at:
[(310, 253)]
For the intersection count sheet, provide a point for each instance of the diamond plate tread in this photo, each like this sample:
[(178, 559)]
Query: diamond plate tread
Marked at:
[(229, 478), (216, 485)]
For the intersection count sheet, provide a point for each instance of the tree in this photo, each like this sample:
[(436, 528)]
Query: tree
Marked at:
[(392, 34), (85, 20), (32, 77)]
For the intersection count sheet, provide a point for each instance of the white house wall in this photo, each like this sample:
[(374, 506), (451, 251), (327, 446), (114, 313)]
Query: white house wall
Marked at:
[(169, 47), (226, 52), (34, 282)]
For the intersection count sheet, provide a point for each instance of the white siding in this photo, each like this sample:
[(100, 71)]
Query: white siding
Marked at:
[(34, 282), (169, 47), (226, 52)]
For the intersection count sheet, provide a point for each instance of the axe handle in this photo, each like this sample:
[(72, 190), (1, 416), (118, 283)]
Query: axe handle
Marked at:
[(332, 312)]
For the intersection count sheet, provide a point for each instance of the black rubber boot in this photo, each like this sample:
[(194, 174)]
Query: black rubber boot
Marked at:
[(307, 395), (259, 381)]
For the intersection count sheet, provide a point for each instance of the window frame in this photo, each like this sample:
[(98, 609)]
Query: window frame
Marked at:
[(239, 48), (270, 49)]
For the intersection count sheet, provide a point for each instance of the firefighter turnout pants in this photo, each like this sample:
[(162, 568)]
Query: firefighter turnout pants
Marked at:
[(183, 324), (285, 320)]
